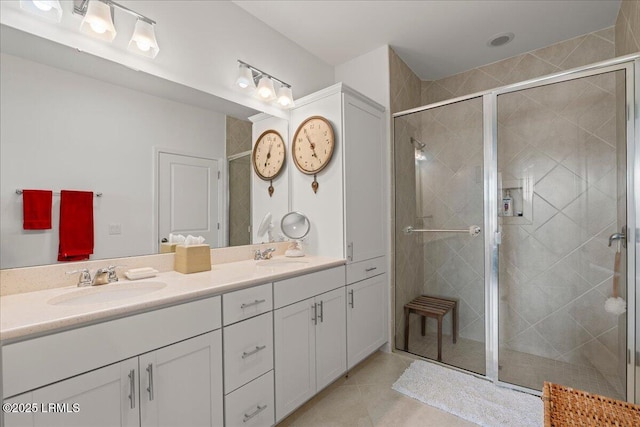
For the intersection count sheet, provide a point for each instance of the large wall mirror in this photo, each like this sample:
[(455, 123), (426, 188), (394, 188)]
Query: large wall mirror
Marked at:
[(151, 147)]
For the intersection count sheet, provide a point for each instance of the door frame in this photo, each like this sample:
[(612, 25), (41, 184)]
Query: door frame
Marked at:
[(222, 195), (631, 65)]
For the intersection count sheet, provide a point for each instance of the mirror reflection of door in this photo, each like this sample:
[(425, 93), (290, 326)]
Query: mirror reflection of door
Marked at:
[(240, 199), (188, 197)]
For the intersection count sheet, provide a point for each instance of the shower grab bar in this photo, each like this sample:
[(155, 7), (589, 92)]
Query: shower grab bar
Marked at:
[(473, 231)]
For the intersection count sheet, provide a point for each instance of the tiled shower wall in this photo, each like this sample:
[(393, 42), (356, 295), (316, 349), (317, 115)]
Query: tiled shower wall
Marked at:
[(627, 29), (238, 141), (407, 256)]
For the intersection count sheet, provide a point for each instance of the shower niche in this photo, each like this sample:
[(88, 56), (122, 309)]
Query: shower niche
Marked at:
[(515, 201)]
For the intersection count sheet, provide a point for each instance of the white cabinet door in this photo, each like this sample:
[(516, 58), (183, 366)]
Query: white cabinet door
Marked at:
[(366, 318), (295, 355), (181, 385), (364, 180), (104, 397), (331, 337)]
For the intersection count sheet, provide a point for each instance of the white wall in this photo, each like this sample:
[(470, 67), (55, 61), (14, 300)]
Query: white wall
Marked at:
[(261, 203), (368, 74), (200, 42), (60, 130)]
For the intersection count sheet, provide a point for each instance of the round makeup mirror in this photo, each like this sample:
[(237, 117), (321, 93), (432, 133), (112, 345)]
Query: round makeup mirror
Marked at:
[(296, 226)]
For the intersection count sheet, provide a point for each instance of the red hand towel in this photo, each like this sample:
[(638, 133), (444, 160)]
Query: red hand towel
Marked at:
[(36, 209), (76, 225)]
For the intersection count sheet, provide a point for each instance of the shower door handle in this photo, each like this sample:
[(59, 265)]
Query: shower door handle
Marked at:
[(618, 236)]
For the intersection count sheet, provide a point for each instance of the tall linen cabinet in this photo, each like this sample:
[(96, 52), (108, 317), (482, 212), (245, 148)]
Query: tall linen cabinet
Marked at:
[(347, 216)]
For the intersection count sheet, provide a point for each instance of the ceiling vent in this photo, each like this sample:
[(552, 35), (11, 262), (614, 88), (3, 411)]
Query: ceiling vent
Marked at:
[(500, 39)]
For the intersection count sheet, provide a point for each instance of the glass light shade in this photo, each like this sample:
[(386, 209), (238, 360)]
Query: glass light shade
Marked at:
[(245, 78), (97, 21), (143, 42), (47, 9), (285, 97), (266, 91)]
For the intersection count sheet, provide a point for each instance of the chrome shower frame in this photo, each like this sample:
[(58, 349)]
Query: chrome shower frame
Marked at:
[(492, 233)]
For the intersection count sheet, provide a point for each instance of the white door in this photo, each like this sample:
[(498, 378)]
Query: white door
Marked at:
[(331, 337), (188, 197), (366, 318), (364, 181), (102, 397), (295, 356), (181, 385)]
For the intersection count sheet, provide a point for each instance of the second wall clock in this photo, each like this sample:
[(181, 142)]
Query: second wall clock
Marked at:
[(312, 147), (269, 154)]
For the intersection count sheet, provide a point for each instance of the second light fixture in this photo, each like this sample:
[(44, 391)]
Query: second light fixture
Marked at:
[(249, 76)]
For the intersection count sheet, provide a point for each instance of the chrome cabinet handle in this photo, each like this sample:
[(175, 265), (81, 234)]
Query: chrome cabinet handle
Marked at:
[(132, 388), (350, 251), (150, 388), (249, 304), (315, 314), (351, 303), (321, 312), (259, 409), (252, 352), (370, 269)]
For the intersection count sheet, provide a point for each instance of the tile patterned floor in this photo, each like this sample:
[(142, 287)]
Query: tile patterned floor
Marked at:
[(523, 369), (365, 398)]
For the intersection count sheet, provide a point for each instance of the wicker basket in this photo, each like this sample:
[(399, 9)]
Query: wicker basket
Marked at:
[(564, 406)]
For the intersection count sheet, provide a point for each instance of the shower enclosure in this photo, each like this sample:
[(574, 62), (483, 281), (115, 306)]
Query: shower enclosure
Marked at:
[(545, 168)]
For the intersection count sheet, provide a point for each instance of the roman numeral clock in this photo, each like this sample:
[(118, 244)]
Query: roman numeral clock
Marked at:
[(312, 147), (269, 155)]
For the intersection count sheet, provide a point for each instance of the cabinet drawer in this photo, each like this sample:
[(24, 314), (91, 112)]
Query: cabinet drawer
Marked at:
[(290, 291), (251, 405), (365, 269), (248, 350), (247, 303)]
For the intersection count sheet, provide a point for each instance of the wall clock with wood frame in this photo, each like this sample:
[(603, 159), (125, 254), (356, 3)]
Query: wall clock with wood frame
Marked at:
[(312, 147), (269, 155)]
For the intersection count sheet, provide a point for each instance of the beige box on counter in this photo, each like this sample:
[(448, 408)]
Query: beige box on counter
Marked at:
[(166, 248), (192, 259)]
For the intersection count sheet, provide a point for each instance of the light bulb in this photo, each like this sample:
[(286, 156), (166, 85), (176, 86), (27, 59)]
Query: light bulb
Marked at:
[(42, 5), (98, 27), (264, 93), (143, 45)]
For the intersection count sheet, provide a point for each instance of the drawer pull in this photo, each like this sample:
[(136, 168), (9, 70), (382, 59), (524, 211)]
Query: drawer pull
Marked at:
[(370, 269), (256, 302), (259, 409), (132, 388), (252, 352)]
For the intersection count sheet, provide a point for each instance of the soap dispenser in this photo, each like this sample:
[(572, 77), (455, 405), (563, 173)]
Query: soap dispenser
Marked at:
[(507, 204)]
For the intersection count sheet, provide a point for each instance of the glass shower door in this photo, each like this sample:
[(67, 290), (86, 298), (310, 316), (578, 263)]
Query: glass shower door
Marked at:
[(562, 196), (439, 193)]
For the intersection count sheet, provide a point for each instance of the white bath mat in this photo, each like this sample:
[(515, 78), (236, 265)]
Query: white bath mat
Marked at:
[(468, 397)]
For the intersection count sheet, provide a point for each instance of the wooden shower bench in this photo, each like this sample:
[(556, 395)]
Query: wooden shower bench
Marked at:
[(434, 307)]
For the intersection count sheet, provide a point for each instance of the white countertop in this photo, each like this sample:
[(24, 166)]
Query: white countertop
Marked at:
[(31, 314)]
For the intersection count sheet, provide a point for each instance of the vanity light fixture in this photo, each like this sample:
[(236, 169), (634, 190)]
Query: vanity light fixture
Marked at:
[(250, 76), (98, 23), (47, 9)]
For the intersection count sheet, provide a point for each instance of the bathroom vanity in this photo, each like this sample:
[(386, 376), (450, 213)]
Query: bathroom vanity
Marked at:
[(244, 344)]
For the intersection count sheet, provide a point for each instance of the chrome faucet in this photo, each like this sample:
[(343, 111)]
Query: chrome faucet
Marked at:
[(101, 277), (266, 254)]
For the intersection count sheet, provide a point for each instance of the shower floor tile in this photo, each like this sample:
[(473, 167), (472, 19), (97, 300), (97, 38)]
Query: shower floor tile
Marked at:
[(518, 368)]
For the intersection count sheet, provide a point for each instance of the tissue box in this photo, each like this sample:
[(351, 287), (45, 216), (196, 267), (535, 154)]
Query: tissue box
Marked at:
[(166, 248), (192, 259)]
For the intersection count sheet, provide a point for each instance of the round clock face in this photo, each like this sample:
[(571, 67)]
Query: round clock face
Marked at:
[(268, 155), (312, 145)]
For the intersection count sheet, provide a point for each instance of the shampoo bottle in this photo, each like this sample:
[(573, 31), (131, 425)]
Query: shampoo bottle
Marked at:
[(507, 204)]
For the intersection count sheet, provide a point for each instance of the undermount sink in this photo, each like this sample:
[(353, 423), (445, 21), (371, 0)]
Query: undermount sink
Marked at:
[(282, 263), (107, 293)]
